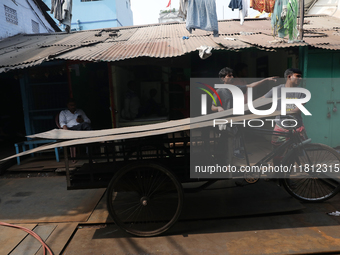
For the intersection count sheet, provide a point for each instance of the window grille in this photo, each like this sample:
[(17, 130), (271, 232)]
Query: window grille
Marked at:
[(35, 26), (11, 15)]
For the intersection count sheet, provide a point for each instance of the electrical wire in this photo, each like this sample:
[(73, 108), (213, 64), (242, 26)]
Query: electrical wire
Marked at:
[(23, 6), (35, 235)]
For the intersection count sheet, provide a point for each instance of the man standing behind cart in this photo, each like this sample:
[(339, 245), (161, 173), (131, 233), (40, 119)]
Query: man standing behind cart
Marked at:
[(226, 75), (293, 79)]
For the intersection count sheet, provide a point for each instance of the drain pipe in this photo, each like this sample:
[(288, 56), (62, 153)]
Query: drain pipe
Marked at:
[(302, 6)]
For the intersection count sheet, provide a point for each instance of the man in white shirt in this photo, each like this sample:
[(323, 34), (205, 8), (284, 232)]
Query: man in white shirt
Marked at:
[(73, 118)]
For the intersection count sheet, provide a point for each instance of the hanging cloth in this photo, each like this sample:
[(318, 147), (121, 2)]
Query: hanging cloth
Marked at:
[(242, 5), (56, 8), (263, 5), (235, 4), (183, 8), (245, 7), (67, 12), (291, 20), (202, 15), (62, 10), (278, 17), (284, 19)]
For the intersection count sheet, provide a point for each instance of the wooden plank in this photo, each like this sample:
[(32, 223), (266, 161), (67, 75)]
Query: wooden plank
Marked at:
[(29, 169), (63, 169), (31, 245), (73, 134), (11, 237), (59, 238), (135, 135)]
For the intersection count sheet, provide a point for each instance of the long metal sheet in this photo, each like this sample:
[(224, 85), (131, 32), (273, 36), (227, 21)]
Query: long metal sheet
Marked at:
[(69, 134), (134, 135)]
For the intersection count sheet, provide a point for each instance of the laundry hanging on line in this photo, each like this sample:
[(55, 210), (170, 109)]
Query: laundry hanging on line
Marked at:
[(201, 14), (263, 5), (183, 8), (284, 19), (242, 5), (62, 10)]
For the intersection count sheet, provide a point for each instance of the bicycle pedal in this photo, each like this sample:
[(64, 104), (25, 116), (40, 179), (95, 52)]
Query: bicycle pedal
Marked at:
[(251, 177)]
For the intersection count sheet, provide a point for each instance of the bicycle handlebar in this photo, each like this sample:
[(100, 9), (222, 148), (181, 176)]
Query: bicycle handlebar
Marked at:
[(303, 143)]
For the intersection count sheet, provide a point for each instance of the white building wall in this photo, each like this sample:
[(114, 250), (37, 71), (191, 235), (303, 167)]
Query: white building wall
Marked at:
[(169, 17), (25, 15), (328, 7)]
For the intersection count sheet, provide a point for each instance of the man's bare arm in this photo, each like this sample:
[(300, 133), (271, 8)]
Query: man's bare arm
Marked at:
[(257, 83), (215, 108)]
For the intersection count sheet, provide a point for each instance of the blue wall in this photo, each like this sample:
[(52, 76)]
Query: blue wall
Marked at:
[(100, 14), (124, 13)]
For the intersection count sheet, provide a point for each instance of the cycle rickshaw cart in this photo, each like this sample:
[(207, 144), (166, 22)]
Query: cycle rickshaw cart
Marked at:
[(144, 168), (144, 175)]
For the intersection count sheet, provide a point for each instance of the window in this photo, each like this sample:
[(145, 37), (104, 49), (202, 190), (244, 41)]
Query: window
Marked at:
[(11, 15), (35, 26)]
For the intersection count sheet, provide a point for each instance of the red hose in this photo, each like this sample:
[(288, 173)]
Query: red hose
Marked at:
[(44, 245)]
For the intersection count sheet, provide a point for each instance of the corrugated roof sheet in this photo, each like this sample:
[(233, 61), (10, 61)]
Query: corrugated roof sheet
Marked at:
[(29, 55), (158, 41), (323, 39), (250, 25)]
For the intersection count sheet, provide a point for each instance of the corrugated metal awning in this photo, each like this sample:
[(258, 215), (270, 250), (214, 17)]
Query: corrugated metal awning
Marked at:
[(164, 40)]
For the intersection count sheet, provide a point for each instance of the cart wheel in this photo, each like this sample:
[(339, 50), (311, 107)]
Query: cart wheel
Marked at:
[(144, 199), (314, 177)]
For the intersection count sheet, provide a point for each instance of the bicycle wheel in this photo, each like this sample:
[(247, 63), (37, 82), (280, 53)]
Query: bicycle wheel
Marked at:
[(144, 199), (314, 173)]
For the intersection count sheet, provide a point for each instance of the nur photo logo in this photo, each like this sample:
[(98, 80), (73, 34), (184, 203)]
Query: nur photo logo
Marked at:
[(204, 97), (238, 100)]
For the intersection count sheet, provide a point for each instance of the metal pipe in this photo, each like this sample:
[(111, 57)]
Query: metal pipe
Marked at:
[(67, 167), (302, 9)]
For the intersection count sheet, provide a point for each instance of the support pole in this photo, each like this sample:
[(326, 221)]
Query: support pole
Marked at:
[(303, 60), (302, 9), (67, 167)]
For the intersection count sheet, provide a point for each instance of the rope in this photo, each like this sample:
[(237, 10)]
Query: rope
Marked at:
[(36, 236)]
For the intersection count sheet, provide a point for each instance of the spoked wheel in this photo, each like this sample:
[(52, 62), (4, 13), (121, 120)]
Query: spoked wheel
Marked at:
[(144, 199), (315, 175)]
